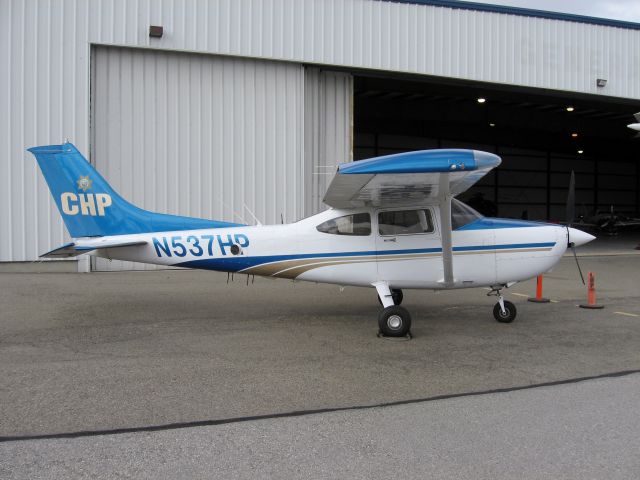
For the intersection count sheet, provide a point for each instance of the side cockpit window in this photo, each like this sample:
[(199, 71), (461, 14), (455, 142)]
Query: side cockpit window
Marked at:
[(405, 222), (358, 224)]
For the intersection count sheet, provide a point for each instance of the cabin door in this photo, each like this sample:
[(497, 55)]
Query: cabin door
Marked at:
[(408, 247)]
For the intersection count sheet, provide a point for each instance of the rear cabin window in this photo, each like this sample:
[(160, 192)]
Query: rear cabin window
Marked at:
[(358, 224), (405, 222)]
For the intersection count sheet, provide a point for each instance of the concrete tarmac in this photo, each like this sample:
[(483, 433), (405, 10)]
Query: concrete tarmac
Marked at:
[(572, 431), (105, 351)]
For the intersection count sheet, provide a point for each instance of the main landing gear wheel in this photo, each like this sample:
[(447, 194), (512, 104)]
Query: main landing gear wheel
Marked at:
[(394, 321), (508, 315), (396, 295)]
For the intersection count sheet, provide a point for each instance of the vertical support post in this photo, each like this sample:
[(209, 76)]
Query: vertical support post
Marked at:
[(595, 185), (496, 187), (637, 187), (548, 186), (444, 197)]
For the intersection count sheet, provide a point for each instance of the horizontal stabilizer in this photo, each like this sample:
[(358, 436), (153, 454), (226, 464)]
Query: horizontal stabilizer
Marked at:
[(73, 249)]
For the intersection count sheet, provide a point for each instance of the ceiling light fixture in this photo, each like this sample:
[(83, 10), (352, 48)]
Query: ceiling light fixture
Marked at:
[(482, 100), (574, 135), (570, 109), (492, 124), (580, 152)]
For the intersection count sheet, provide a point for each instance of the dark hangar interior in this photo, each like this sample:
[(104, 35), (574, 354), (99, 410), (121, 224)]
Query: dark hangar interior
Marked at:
[(541, 136)]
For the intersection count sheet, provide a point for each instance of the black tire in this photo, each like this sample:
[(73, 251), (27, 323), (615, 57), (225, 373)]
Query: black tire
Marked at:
[(396, 295), (508, 316), (394, 321)]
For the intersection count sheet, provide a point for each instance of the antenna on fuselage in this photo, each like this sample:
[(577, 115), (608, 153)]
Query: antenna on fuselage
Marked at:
[(251, 213), (235, 214)]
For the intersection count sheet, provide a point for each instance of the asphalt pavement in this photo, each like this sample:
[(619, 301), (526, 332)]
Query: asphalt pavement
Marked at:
[(204, 376)]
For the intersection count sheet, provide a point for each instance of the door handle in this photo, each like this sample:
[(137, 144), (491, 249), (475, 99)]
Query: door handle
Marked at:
[(390, 239)]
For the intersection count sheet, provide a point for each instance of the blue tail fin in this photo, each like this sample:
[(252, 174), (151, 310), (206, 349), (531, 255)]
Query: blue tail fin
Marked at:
[(90, 207)]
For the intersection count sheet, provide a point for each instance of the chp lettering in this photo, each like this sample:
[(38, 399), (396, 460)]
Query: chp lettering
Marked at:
[(85, 203)]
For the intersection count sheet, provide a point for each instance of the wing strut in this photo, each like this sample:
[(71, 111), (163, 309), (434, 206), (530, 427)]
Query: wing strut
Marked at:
[(444, 201)]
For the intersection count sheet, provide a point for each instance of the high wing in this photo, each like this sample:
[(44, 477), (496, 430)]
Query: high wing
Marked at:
[(410, 179), (406, 179)]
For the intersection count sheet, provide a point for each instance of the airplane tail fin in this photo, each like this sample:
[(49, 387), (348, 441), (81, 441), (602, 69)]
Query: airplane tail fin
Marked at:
[(90, 207)]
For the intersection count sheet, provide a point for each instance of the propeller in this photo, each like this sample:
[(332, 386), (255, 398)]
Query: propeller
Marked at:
[(571, 211)]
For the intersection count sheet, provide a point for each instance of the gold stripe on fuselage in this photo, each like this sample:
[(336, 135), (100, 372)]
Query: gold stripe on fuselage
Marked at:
[(295, 268)]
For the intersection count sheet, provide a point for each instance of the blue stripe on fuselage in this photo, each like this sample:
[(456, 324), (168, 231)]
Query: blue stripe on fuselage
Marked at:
[(235, 264), (494, 223)]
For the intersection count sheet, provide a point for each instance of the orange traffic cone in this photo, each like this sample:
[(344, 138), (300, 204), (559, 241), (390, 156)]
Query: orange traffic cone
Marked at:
[(539, 298), (591, 293)]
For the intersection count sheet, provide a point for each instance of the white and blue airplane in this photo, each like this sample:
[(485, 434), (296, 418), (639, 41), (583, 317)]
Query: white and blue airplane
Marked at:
[(394, 224)]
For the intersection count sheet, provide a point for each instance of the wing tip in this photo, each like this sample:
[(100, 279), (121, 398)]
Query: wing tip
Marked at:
[(486, 159)]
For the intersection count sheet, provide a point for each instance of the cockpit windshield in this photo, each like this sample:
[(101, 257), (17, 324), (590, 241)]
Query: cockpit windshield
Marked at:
[(462, 214)]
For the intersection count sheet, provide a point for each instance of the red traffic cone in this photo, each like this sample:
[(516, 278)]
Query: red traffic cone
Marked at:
[(591, 293), (538, 298)]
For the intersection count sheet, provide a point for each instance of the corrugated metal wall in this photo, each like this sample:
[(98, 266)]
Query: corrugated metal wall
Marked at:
[(328, 123), (45, 65), (199, 135)]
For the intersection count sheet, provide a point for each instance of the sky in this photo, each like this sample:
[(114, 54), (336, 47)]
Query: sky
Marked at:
[(628, 10)]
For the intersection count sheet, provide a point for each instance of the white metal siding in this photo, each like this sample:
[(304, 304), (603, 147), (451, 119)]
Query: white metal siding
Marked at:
[(45, 58), (328, 131), (199, 135)]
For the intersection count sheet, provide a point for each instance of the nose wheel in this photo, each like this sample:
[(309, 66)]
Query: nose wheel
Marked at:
[(507, 315), (504, 311)]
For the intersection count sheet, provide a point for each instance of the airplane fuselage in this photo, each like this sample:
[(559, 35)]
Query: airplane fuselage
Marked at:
[(485, 252)]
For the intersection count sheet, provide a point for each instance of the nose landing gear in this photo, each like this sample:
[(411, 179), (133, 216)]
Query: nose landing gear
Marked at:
[(503, 311)]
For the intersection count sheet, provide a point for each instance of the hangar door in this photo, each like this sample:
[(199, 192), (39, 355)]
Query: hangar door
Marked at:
[(198, 135)]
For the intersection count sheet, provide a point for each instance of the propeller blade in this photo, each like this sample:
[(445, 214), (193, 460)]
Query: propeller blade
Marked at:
[(571, 199), (575, 255)]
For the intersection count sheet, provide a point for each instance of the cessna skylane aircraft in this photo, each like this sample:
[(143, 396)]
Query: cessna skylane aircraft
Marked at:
[(393, 225)]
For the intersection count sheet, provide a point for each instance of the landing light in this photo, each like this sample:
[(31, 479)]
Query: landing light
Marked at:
[(570, 109), (580, 152), (482, 100), (574, 135)]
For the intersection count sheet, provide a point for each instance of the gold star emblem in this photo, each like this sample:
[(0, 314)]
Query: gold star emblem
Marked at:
[(84, 183)]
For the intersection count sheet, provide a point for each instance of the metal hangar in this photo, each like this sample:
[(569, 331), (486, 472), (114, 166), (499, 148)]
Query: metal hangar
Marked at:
[(218, 109)]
